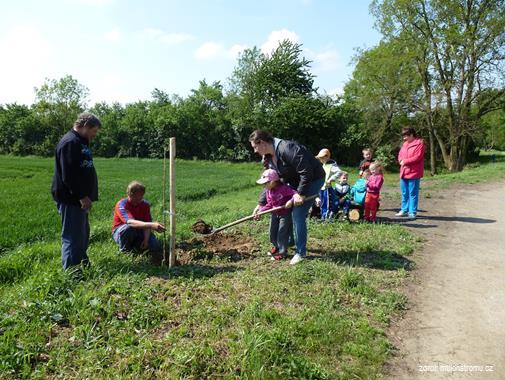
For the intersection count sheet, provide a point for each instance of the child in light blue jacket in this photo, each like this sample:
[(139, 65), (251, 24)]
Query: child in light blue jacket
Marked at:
[(358, 190)]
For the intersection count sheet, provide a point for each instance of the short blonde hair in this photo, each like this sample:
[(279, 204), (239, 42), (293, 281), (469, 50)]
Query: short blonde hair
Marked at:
[(135, 187), (377, 165)]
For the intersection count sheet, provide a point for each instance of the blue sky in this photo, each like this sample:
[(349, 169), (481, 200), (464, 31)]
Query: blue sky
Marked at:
[(123, 49)]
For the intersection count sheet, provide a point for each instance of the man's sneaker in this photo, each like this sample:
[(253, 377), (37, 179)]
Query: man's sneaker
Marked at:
[(412, 217), (273, 251), (296, 259), (401, 213)]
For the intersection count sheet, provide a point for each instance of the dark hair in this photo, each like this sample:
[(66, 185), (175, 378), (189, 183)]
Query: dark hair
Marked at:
[(409, 131), (259, 135), (87, 119)]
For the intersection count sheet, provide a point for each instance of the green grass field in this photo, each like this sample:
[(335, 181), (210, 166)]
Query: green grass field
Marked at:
[(251, 319)]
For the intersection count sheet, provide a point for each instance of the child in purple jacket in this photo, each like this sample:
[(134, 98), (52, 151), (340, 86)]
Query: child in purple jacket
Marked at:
[(281, 223)]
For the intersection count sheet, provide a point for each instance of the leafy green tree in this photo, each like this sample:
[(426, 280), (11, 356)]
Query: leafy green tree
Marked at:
[(463, 47), (107, 142), (493, 125), (263, 80), (58, 102), (384, 87), (273, 92), (136, 130), (203, 122), (20, 130)]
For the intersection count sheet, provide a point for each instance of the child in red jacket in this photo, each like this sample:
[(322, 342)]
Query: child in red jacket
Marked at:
[(373, 188)]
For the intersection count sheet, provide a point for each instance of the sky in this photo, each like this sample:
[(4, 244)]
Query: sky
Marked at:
[(121, 50)]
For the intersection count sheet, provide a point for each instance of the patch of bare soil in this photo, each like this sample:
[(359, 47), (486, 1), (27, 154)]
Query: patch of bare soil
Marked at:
[(227, 247)]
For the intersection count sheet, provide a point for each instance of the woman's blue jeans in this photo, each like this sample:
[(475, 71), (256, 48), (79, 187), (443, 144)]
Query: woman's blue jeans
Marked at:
[(410, 195), (300, 214)]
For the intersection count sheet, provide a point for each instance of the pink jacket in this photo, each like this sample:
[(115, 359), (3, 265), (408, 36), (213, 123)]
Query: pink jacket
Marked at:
[(374, 183), (412, 155), (278, 196)]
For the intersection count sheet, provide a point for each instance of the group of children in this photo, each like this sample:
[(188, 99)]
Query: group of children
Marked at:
[(335, 196)]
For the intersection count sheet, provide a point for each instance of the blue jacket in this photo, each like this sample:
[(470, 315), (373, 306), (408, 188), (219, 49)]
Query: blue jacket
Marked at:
[(358, 191)]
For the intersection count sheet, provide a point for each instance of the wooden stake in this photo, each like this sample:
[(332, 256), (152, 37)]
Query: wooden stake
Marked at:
[(171, 262), (163, 206)]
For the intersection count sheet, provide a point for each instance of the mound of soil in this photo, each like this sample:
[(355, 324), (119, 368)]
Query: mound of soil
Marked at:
[(200, 227), (223, 246)]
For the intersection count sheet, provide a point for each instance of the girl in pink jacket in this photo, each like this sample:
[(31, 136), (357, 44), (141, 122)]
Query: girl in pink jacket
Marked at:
[(411, 159), (373, 189), (281, 222)]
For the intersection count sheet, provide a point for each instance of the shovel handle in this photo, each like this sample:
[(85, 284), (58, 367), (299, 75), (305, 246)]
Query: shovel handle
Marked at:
[(238, 221), (247, 218)]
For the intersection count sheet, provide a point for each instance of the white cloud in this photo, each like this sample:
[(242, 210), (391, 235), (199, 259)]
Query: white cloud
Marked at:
[(176, 38), (277, 36), (109, 88), (336, 91), (217, 51), (113, 36), (328, 60), (210, 50), (324, 61), (235, 50), (159, 35), (27, 65)]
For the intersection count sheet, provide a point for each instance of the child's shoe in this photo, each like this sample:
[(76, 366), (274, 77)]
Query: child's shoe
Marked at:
[(273, 251), (278, 257)]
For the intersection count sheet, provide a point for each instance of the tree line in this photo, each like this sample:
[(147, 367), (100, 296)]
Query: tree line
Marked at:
[(438, 67)]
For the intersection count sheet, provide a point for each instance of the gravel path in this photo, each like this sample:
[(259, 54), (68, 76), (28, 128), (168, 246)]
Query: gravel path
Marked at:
[(455, 325)]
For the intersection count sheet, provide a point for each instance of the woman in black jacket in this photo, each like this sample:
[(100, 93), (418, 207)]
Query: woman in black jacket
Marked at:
[(297, 168)]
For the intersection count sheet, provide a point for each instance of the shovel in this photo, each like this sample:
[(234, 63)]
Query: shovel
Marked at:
[(203, 228)]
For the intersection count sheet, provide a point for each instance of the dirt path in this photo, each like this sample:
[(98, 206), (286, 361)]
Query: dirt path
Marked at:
[(455, 325)]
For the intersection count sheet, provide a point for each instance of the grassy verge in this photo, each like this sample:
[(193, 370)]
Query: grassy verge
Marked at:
[(252, 318)]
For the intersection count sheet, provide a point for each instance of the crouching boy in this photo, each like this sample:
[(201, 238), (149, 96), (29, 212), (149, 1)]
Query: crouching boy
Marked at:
[(133, 223)]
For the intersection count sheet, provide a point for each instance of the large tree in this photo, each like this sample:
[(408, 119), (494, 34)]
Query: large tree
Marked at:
[(460, 51), (58, 102), (384, 87)]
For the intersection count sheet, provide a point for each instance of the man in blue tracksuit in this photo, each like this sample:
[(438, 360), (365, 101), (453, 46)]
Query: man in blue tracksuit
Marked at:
[(75, 188)]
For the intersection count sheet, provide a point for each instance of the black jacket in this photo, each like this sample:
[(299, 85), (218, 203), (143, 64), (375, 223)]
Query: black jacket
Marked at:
[(295, 165), (74, 172)]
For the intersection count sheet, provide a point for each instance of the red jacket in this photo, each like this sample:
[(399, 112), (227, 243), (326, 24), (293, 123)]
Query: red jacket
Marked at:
[(412, 155), (124, 211)]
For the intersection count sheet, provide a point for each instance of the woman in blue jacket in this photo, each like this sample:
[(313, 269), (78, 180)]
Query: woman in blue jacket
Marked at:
[(299, 169)]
